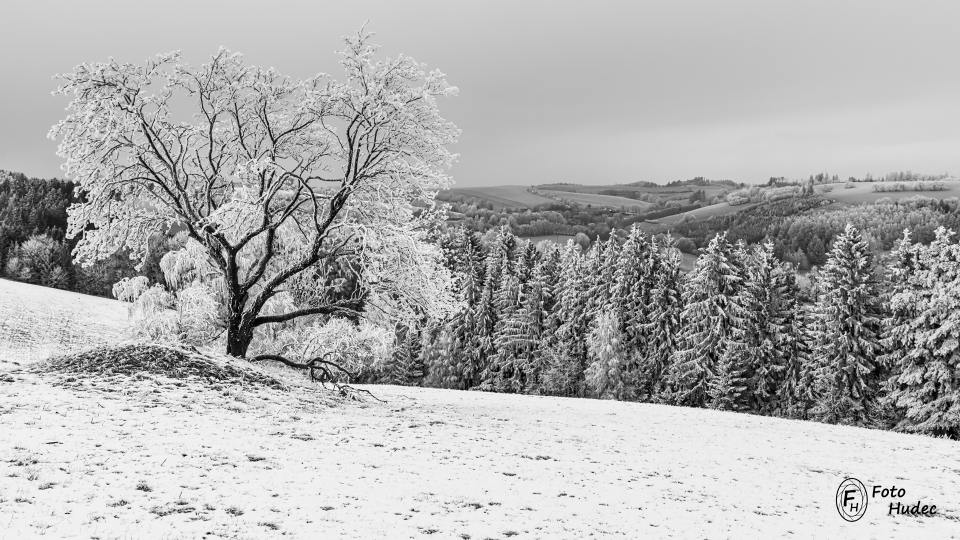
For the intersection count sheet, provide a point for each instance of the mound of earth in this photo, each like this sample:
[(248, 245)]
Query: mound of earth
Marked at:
[(173, 362)]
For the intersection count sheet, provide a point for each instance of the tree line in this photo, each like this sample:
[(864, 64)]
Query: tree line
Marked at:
[(801, 229), (34, 247), (860, 342)]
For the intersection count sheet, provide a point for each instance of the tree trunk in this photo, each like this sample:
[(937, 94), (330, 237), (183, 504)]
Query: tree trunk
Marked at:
[(239, 329), (239, 336)]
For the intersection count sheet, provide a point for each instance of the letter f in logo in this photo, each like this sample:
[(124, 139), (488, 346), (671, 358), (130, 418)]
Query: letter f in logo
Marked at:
[(847, 497)]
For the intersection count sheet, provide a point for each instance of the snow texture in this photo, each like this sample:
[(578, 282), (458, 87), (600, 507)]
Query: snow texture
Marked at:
[(157, 457), (149, 456)]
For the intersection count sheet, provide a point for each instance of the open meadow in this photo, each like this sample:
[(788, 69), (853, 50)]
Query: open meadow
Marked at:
[(146, 455)]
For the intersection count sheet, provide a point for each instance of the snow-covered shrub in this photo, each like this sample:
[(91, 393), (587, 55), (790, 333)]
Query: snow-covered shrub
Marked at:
[(129, 289), (780, 193), (362, 348)]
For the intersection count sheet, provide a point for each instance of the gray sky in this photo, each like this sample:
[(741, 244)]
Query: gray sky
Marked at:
[(592, 92)]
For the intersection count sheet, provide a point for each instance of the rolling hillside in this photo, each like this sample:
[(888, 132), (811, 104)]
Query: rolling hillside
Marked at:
[(149, 456), (864, 192), (840, 193), (499, 197), (614, 196), (680, 192), (38, 321), (601, 201)]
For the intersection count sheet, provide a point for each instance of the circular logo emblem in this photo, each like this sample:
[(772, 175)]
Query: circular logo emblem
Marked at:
[(851, 499)]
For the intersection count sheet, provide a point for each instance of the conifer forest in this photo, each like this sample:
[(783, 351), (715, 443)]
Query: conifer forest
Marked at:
[(860, 341)]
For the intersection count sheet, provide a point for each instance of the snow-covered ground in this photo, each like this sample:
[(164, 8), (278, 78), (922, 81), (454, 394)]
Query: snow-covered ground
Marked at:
[(38, 321), (153, 457)]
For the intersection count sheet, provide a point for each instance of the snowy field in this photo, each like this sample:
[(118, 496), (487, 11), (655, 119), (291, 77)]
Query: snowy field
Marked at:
[(118, 457), (38, 321)]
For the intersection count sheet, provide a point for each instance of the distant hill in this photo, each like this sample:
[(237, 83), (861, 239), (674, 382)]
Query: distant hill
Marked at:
[(497, 197), (838, 193), (637, 197)]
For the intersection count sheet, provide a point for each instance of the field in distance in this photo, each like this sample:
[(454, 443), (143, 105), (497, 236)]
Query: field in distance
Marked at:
[(634, 197), (841, 193), (499, 197)]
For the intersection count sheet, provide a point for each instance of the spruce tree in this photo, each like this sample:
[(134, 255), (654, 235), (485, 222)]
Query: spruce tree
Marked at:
[(630, 295), (848, 381), (502, 373), (658, 321), (770, 294), (566, 352), (407, 366), (707, 323), (540, 324), (923, 335), (733, 387), (606, 374), (794, 344)]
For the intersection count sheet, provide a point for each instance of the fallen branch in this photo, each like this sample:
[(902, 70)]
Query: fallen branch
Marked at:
[(323, 371)]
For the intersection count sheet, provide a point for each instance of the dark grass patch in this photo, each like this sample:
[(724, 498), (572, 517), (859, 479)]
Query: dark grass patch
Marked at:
[(179, 507), (173, 362)]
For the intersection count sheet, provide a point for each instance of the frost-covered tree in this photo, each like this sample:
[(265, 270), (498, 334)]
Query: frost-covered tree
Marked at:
[(632, 283), (770, 297), (40, 259), (793, 343), (500, 371), (708, 323), (733, 388), (848, 347), (271, 178), (601, 278), (922, 334), (538, 327), (406, 366), (565, 353), (663, 311), (606, 374)]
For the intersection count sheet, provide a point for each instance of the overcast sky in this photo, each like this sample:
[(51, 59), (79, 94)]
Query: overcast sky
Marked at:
[(592, 92)]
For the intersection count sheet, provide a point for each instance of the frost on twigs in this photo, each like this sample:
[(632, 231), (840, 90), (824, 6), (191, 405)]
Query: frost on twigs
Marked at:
[(336, 352), (292, 202)]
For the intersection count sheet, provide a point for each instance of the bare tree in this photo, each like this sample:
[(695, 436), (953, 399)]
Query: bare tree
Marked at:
[(270, 178)]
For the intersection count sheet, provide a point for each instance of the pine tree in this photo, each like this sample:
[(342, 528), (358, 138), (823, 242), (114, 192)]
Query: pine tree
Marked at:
[(440, 354), (501, 372), (601, 277), (540, 326), (707, 323), (565, 354), (848, 381), (527, 257), (733, 388), (407, 366), (629, 300), (923, 335), (606, 374), (794, 345), (659, 321), (729, 390), (770, 295), (481, 349), (801, 387), (454, 352)]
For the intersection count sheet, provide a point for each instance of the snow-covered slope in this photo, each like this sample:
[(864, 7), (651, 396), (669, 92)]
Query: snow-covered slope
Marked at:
[(37, 321), (153, 457), (150, 458)]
